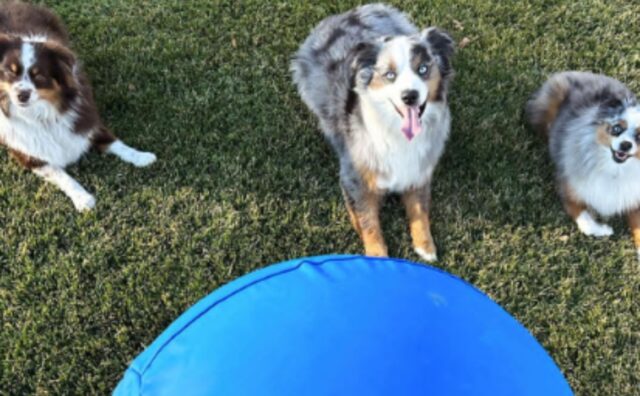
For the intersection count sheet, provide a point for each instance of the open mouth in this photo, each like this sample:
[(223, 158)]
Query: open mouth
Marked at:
[(620, 156), (411, 119)]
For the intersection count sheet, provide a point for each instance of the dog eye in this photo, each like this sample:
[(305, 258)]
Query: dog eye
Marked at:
[(617, 130), (12, 70), (390, 75), (423, 69), (37, 77)]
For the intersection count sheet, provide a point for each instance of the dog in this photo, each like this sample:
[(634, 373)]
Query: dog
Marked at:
[(379, 88), (49, 119), (592, 123)]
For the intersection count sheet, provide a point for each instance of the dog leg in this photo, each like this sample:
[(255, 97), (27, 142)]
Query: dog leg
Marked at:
[(416, 204), (589, 226), (579, 213), (26, 160), (106, 142), (364, 214), (349, 203), (634, 223), (131, 155), (82, 200)]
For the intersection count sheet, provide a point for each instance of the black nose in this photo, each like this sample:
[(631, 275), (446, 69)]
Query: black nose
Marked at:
[(625, 146), (23, 96), (410, 97)]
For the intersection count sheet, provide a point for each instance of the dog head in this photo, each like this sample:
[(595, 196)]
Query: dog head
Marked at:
[(36, 72), (400, 75), (619, 129)]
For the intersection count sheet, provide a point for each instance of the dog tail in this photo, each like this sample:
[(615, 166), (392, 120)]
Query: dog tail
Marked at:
[(543, 107)]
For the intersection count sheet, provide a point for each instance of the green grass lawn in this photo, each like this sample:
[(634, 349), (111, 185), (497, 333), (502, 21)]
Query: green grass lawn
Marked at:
[(245, 179)]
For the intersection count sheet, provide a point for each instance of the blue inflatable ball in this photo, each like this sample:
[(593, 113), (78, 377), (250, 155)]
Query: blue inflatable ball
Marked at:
[(345, 325)]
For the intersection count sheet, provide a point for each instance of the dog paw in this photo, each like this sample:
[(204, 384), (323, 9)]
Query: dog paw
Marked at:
[(376, 251), (84, 202), (426, 256), (596, 230), (142, 159), (589, 226)]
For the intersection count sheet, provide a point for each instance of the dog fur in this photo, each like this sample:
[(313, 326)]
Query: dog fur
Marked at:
[(379, 88), (49, 119), (593, 127)]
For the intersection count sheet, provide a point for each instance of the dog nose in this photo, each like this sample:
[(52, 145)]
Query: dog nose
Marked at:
[(625, 146), (23, 96), (410, 97)]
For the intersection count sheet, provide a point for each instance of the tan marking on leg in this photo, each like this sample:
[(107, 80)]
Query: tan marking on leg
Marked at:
[(572, 205), (352, 214), (369, 219), (416, 203), (370, 180), (365, 216), (633, 218)]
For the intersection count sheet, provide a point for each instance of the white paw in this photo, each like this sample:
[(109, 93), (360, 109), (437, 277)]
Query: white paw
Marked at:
[(589, 226), (426, 256), (596, 230), (84, 202), (142, 159)]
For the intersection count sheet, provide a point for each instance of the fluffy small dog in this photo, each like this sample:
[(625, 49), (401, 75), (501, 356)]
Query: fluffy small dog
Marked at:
[(48, 118), (593, 126), (379, 88)]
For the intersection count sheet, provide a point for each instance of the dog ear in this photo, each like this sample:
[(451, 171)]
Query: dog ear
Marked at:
[(441, 45), (6, 42), (64, 65), (364, 59), (61, 56), (610, 108)]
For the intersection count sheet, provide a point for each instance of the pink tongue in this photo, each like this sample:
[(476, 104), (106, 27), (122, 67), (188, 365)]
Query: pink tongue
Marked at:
[(411, 126)]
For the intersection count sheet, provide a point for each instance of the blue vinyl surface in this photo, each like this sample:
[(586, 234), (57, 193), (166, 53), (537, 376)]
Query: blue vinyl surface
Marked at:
[(345, 325)]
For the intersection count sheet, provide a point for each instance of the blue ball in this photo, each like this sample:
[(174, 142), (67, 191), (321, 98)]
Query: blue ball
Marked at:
[(345, 325)]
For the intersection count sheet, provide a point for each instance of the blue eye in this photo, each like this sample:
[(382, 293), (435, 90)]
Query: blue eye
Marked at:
[(390, 75), (617, 130), (423, 69)]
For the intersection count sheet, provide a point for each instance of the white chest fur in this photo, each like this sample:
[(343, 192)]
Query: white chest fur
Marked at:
[(43, 134), (399, 163), (613, 190)]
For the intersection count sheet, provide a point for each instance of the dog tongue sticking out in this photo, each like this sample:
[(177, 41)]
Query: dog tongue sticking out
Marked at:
[(411, 125)]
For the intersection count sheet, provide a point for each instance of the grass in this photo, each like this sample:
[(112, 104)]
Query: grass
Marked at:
[(245, 179)]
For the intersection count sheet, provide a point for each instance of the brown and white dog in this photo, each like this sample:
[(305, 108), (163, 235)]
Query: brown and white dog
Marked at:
[(49, 119)]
